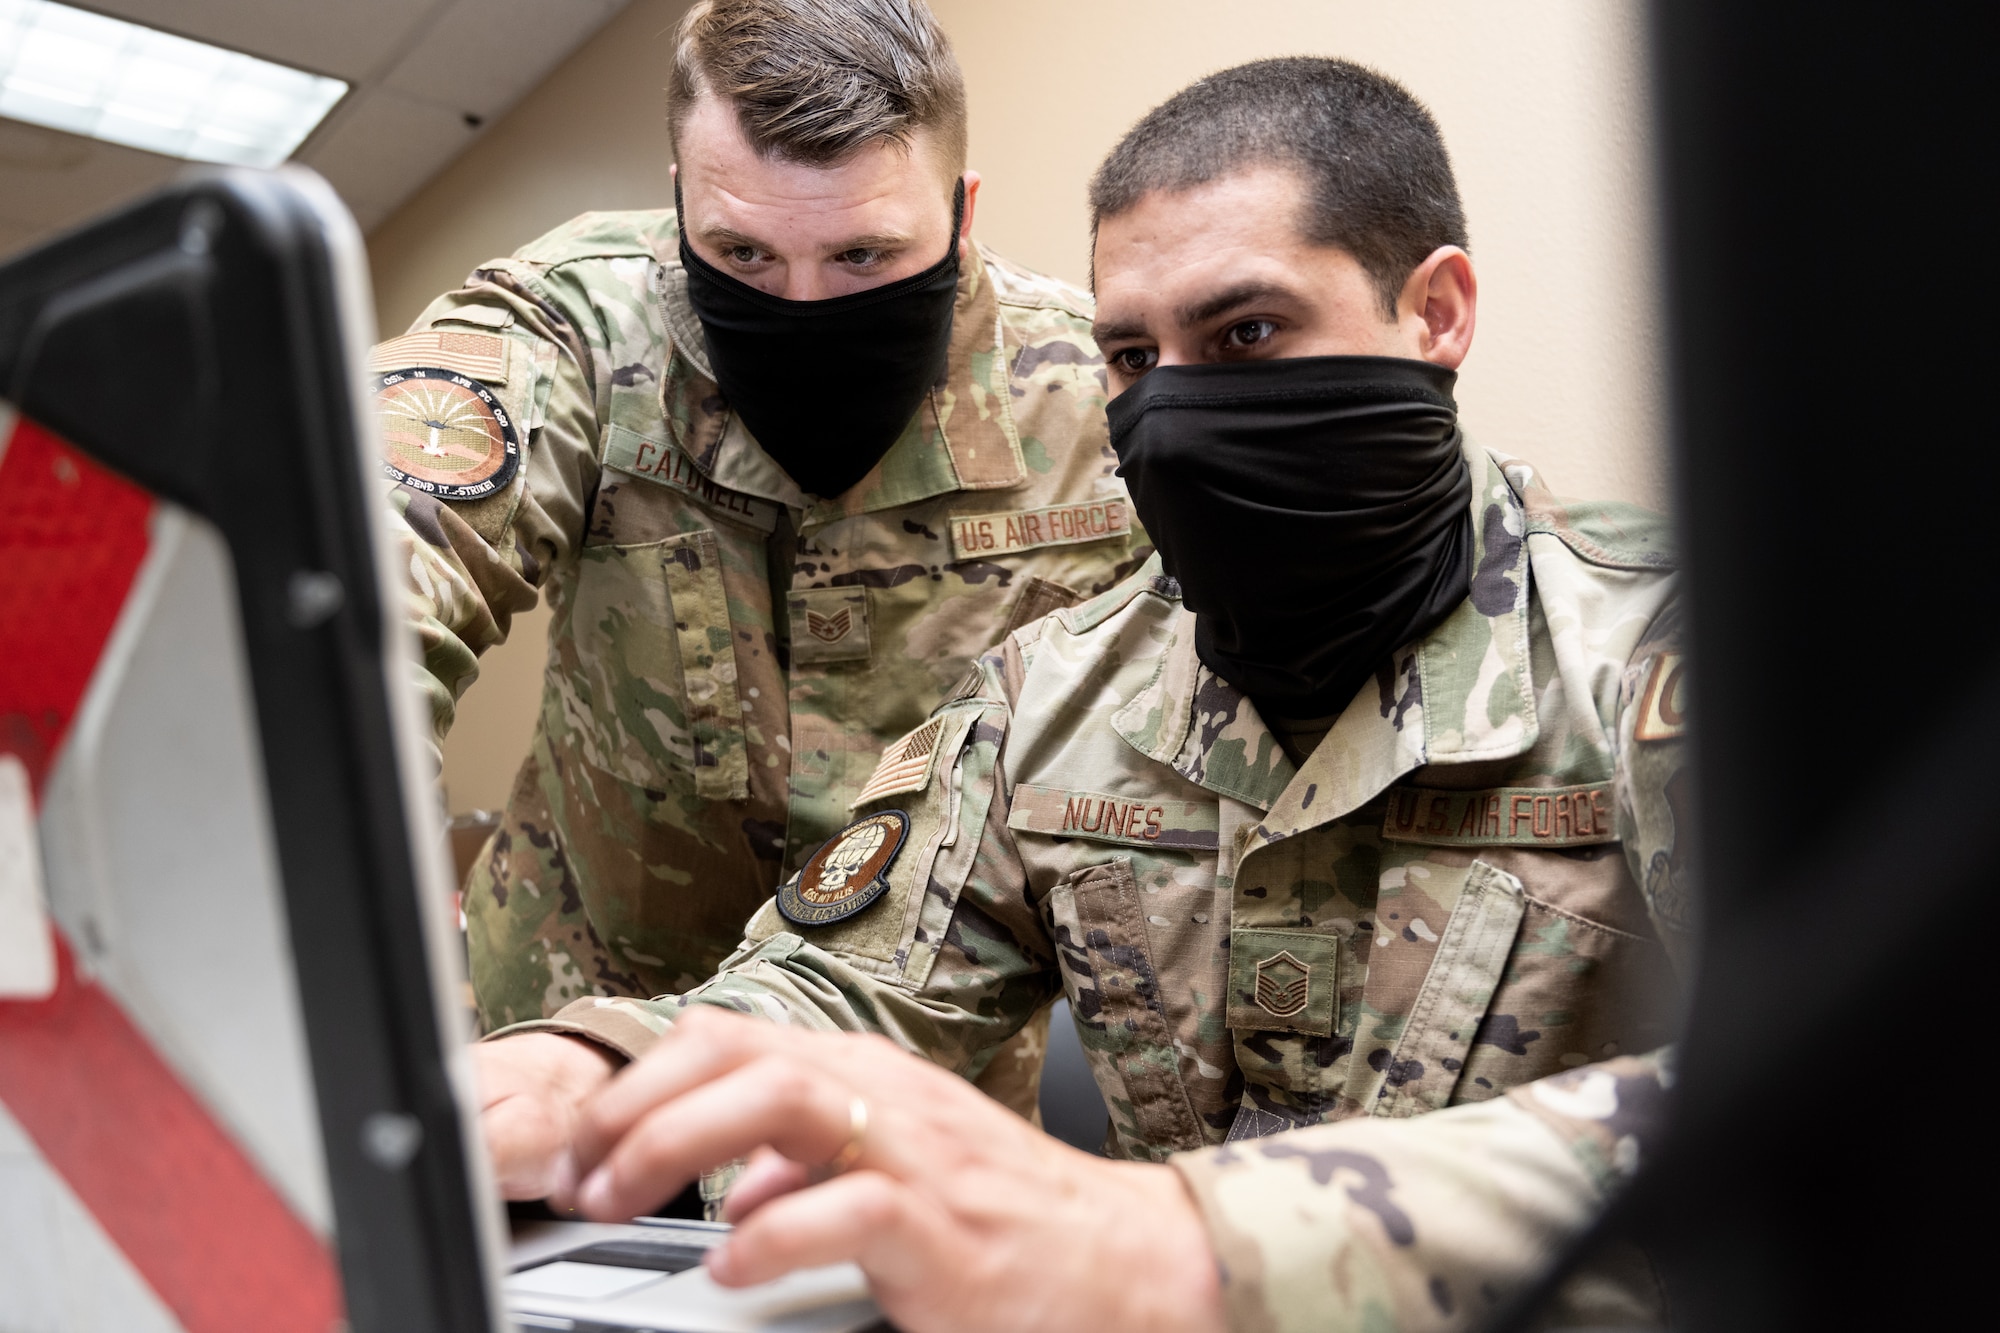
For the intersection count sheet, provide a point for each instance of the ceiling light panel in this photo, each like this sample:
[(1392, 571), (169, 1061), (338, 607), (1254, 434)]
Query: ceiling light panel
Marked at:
[(109, 79)]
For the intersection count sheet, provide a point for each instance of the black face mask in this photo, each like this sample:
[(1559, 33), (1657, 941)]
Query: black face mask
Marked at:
[(1316, 511), (826, 386)]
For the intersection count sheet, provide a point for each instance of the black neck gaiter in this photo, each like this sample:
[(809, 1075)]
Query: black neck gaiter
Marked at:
[(1316, 511), (826, 386)]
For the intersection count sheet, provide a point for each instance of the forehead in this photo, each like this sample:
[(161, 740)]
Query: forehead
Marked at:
[(712, 151), (1172, 246)]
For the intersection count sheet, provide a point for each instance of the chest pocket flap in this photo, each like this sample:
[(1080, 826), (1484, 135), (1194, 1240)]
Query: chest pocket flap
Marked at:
[(1467, 965), (1100, 932), (658, 661)]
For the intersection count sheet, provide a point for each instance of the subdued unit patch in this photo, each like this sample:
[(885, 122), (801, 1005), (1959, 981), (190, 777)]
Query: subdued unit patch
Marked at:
[(848, 874), (444, 433)]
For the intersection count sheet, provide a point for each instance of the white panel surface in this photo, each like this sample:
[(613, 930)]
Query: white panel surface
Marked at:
[(27, 952), (161, 869)]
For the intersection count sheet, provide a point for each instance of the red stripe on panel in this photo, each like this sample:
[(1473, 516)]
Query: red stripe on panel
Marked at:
[(72, 536), (208, 1233), (170, 1187)]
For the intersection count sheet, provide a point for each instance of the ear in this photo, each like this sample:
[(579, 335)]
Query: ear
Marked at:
[(971, 179), (1440, 305)]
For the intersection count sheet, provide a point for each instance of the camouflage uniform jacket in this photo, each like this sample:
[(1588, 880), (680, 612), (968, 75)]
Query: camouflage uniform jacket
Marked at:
[(728, 656), (1431, 911)]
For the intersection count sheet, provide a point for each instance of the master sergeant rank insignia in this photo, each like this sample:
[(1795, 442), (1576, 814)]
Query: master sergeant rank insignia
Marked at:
[(848, 874), (1283, 985), (445, 434)]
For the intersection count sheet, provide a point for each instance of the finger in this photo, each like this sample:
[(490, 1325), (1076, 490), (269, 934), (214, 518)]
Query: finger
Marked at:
[(863, 1217), (704, 1044), (769, 1175), (802, 1112)]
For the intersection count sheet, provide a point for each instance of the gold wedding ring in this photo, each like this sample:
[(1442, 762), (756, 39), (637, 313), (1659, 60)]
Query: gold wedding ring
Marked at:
[(857, 1129)]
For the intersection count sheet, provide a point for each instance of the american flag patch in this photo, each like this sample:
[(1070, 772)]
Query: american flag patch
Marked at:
[(479, 356), (905, 766)]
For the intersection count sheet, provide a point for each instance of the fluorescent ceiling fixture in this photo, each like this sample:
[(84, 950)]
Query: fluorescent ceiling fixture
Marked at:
[(88, 74)]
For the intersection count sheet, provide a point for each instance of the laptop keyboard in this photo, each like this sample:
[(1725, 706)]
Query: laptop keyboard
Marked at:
[(663, 1256)]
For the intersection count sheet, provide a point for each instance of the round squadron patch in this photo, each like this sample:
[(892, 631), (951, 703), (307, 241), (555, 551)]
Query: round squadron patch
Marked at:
[(848, 874), (445, 434)]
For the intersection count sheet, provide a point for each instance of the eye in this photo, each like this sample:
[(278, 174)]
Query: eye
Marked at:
[(741, 254), (1248, 334), (1134, 361), (860, 258)]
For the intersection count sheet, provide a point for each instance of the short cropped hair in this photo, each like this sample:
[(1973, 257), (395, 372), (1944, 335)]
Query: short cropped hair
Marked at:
[(814, 81), (1379, 183)]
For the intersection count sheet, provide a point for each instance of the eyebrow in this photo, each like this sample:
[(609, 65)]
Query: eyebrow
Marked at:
[(1106, 333), (725, 237), (1201, 312)]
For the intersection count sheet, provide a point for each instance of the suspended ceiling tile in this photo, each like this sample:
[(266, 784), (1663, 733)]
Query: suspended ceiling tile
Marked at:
[(445, 58), (383, 146), (481, 56), (49, 179), (350, 39)]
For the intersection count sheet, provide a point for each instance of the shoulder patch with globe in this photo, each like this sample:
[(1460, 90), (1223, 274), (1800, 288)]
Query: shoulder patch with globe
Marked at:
[(848, 874), (444, 433)]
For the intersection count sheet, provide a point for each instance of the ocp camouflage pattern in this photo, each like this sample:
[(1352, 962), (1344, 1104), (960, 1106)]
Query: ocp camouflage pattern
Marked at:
[(727, 654), (1475, 883)]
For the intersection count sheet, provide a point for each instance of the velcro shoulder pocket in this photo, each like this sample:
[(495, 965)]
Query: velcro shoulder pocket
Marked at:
[(895, 934)]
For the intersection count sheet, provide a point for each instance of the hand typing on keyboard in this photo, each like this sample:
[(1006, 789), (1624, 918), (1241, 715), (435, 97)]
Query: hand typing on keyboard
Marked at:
[(963, 1216)]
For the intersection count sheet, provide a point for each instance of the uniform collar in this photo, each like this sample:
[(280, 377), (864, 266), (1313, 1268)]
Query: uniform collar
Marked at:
[(1461, 694), (962, 439)]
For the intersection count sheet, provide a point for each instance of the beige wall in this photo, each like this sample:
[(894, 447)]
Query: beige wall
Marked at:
[(592, 136), (1543, 103)]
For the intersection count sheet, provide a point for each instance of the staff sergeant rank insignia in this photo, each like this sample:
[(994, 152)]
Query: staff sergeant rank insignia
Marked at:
[(848, 874), (445, 434)]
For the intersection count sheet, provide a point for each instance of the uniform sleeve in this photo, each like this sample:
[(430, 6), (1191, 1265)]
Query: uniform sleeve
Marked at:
[(1433, 1221), (951, 961), (471, 566), (1653, 782)]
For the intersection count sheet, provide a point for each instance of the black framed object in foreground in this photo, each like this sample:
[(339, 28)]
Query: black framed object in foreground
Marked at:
[(192, 426)]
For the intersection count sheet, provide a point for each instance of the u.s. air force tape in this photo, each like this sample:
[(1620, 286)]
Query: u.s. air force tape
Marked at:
[(848, 874), (1577, 816), (445, 434)]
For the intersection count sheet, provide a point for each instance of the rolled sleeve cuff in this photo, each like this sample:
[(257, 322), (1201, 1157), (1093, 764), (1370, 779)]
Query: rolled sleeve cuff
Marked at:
[(627, 1027)]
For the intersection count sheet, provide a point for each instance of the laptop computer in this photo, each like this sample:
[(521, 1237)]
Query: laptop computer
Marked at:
[(233, 1083)]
